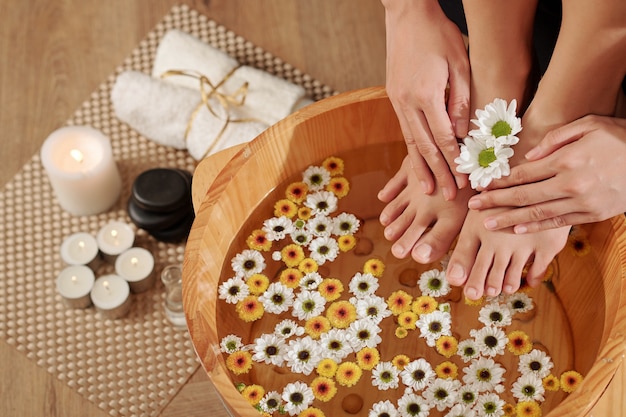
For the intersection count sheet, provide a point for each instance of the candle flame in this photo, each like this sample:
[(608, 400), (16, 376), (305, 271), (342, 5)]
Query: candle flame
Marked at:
[(114, 233), (105, 284), (81, 244), (74, 279), (134, 261), (76, 155)]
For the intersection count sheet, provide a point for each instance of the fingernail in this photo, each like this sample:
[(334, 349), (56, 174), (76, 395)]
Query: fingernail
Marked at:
[(383, 220), (531, 153), (490, 224), (459, 182), (446, 193), (424, 185), (422, 253), (456, 273), (474, 203), (471, 293), (519, 229)]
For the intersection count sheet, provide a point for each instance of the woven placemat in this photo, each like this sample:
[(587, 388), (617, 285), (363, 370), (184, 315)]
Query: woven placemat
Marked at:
[(135, 365)]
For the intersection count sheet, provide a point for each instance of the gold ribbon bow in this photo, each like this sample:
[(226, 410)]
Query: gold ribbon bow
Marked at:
[(207, 91)]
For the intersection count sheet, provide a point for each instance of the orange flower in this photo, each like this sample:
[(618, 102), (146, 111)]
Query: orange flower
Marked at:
[(401, 332), (285, 207), (399, 301), (346, 242), (509, 410), (296, 192), (341, 314), (551, 383), (250, 308), (407, 320), (292, 255), (316, 326), (519, 343), (400, 361), (447, 370), (333, 165), (304, 213), (424, 304), (324, 389), (338, 186), (330, 289), (375, 267), (447, 345), (579, 244), (308, 265), (239, 362), (348, 374), (367, 358), (258, 241), (311, 412), (570, 380), (528, 409), (327, 367), (471, 302), (290, 277), (257, 283), (253, 393)]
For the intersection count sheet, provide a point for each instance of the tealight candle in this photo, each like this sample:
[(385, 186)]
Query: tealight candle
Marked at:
[(81, 169), (111, 296), (136, 265), (114, 238), (74, 283), (81, 249)]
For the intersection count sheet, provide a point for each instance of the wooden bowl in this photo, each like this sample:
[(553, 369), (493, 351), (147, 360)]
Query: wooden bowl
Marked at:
[(580, 317)]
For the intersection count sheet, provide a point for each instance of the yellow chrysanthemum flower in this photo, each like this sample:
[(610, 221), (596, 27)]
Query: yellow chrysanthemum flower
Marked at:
[(447, 345), (375, 267), (327, 367), (290, 277), (258, 283), (367, 358), (348, 374), (519, 342), (250, 308), (447, 370), (407, 320), (346, 242), (341, 313), (470, 302), (339, 186), (285, 207), (399, 301), (509, 410), (551, 383), (258, 241), (297, 192), (308, 265), (316, 326), (330, 289), (579, 244), (239, 362), (424, 304), (570, 380), (324, 389), (253, 393), (304, 213), (311, 412), (401, 332), (292, 255), (333, 165), (528, 409), (400, 361)]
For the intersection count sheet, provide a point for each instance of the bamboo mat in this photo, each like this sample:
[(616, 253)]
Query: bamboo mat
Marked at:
[(132, 366)]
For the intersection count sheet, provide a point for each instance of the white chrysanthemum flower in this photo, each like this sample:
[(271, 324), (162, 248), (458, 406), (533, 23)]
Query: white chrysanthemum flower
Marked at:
[(461, 410), (536, 362), (288, 328), (468, 350), (413, 405), (434, 283), (276, 228), (490, 340), (484, 374), (323, 249), (484, 163), (363, 333), (345, 224), (270, 349), (418, 374), (297, 397), (498, 121), (277, 256), (308, 304), (233, 290), (519, 302), (277, 298), (372, 307), (301, 237), (320, 225), (385, 376), (528, 387), (442, 393), (434, 325), (335, 345), (310, 281), (248, 263), (468, 394), (271, 402), (316, 178), (489, 405), (321, 202), (383, 409), (363, 284), (230, 344), (495, 314), (303, 355)]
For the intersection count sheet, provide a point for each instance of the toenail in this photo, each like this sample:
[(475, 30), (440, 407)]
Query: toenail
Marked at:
[(456, 273), (508, 289), (422, 252), (471, 293), (492, 291)]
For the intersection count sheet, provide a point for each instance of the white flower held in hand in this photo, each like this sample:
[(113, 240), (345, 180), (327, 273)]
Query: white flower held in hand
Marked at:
[(486, 151)]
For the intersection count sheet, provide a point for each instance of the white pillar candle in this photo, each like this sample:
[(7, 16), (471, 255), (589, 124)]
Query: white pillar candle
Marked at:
[(80, 165), (75, 283), (136, 265), (114, 238), (111, 296), (81, 249)]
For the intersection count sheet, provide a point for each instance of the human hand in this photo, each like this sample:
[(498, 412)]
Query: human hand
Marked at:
[(576, 174), (425, 53)]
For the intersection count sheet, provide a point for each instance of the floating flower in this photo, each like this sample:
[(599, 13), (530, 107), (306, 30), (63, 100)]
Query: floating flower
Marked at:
[(277, 298), (434, 283), (321, 203), (551, 383), (372, 307), (363, 284), (257, 283), (230, 343), (489, 405), (509, 410), (519, 303), (424, 304), (311, 281), (323, 249), (297, 396), (277, 228), (385, 376), (399, 301), (304, 213), (407, 320), (498, 121), (528, 409), (570, 380), (239, 362), (290, 277), (311, 412), (335, 345), (292, 255), (258, 240), (383, 409), (471, 302), (484, 374), (320, 225), (363, 333), (308, 265), (528, 387), (367, 358), (233, 290), (308, 304), (374, 266), (434, 325), (447, 346), (494, 314), (316, 178), (297, 192), (447, 370), (285, 207), (341, 314), (316, 326), (491, 341), (301, 237), (288, 328), (247, 263), (348, 374), (536, 362), (442, 393), (468, 395), (519, 343), (270, 349), (339, 186), (401, 332), (484, 161), (333, 165), (413, 405), (468, 350), (253, 393), (271, 402), (303, 355), (330, 288), (327, 367), (400, 361), (324, 389), (345, 224), (417, 374), (346, 243), (579, 244), (250, 308), (461, 410)]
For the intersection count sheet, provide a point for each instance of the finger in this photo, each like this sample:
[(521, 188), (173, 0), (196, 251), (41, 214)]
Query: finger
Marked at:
[(556, 222), (558, 138), (532, 213), (527, 173), (459, 110)]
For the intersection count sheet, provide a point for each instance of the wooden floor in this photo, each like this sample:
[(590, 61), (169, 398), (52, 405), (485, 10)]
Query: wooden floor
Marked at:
[(55, 53)]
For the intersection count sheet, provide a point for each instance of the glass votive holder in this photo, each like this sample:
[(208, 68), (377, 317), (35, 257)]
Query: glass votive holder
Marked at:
[(171, 277)]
